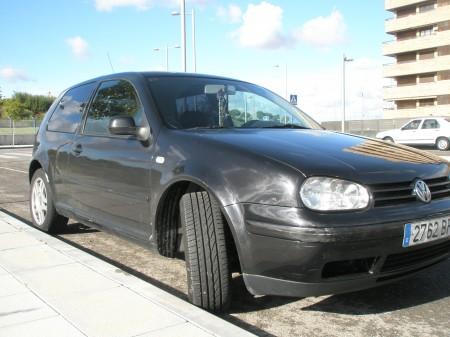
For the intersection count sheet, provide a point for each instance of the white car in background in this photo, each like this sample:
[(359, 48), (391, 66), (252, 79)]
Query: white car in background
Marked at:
[(421, 131)]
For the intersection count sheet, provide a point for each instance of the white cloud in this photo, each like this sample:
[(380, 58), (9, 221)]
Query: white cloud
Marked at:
[(79, 46), (13, 74), (108, 5), (261, 27), (323, 31), (230, 14)]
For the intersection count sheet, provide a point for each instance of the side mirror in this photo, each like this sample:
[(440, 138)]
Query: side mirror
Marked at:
[(125, 126)]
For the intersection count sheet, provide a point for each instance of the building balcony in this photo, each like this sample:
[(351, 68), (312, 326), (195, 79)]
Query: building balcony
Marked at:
[(393, 4), (424, 111), (419, 20), (420, 90), (438, 39), (417, 67)]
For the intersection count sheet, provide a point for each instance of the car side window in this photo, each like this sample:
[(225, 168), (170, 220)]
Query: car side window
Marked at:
[(113, 99), (413, 125), (430, 124), (69, 111)]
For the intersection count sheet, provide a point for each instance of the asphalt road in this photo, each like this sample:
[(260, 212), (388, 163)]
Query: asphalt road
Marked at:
[(418, 306)]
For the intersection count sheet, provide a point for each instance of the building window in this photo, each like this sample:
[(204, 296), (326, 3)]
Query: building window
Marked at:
[(407, 104), (426, 54), (406, 35), (443, 26), (406, 57), (426, 102), (444, 51), (443, 100), (426, 7), (401, 13), (426, 78), (444, 75), (426, 31), (406, 80)]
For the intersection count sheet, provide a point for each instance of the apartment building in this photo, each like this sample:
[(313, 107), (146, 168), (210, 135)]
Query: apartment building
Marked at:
[(421, 58)]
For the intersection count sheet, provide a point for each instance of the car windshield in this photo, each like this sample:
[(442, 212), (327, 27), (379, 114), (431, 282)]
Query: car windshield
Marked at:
[(197, 102)]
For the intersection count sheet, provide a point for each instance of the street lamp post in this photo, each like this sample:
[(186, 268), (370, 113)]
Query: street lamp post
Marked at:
[(167, 53), (246, 107), (194, 49), (285, 79), (345, 59)]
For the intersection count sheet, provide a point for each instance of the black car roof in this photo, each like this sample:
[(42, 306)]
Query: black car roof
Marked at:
[(152, 74)]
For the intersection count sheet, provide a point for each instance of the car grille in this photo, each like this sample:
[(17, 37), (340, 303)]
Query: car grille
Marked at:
[(397, 261), (401, 192)]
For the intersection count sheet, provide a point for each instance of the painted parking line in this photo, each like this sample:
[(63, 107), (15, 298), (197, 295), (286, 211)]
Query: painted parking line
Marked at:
[(446, 157), (14, 170)]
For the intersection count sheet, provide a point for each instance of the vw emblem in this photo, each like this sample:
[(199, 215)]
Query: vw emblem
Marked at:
[(421, 191)]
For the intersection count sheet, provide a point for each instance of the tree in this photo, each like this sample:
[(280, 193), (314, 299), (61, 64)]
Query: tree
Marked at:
[(14, 109), (35, 104)]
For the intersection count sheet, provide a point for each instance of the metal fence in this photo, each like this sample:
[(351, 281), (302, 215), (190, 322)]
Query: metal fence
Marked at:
[(22, 132), (368, 127), (19, 132)]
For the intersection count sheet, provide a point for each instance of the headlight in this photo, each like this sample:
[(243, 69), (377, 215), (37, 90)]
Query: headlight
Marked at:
[(329, 194)]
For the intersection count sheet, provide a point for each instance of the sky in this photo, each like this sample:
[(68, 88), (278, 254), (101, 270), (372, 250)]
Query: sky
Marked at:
[(49, 45)]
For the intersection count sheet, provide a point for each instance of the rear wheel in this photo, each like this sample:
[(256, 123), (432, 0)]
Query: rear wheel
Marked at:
[(443, 144), (43, 212), (388, 139), (207, 264)]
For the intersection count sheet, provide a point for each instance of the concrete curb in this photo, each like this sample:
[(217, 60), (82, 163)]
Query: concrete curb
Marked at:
[(171, 315)]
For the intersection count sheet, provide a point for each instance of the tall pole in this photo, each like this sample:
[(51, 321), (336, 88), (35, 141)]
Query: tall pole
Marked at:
[(285, 81), (344, 60), (167, 57), (194, 52), (343, 95), (183, 33)]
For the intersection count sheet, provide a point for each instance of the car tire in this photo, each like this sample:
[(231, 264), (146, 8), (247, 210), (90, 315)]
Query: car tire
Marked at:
[(442, 143), (206, 257), (42, 208), (388, 139)]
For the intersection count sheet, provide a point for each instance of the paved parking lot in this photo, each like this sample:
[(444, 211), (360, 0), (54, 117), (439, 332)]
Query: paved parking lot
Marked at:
[(418, 306)]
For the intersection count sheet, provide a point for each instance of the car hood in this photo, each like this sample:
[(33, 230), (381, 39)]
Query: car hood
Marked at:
[(326, 153)]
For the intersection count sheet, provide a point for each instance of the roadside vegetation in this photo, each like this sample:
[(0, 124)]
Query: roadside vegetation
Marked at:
[(24, 106)]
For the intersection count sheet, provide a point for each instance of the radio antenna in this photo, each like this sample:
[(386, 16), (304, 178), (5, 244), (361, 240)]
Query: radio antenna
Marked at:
[(110, 63)]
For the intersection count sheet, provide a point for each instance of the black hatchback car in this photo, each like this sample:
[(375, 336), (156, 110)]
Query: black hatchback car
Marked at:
[(238, 180)]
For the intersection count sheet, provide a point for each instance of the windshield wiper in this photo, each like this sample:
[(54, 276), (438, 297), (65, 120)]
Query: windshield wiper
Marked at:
[(205, 127), (286, 126)]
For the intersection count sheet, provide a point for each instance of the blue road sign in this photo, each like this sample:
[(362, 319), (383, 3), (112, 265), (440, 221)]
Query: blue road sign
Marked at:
[(293, 99)]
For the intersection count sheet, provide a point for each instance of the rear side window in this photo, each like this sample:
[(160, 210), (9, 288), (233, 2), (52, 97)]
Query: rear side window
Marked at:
[(430, 124), (113, 98), (69, 111)]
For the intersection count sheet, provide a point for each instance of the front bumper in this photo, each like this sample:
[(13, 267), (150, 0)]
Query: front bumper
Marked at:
[(279, 257)]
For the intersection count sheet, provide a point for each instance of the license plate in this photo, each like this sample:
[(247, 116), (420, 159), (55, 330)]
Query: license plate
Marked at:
[(424, 231)]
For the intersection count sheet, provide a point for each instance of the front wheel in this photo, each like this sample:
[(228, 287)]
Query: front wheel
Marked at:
[(206, 257), (443, 144), (388, 139), (43, 212)]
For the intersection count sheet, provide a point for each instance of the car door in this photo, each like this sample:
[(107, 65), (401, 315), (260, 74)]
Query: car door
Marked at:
[(429, 131), (60, 131), (110, 173), (408, 133)]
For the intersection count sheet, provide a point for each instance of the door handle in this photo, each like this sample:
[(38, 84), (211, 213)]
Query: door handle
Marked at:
[(77, 149)]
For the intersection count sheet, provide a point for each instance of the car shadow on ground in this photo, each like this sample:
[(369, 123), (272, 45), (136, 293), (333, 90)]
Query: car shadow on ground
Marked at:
[(425, 287)]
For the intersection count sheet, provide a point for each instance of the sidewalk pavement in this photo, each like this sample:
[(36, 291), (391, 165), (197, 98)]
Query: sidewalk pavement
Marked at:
[(49, 288)]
